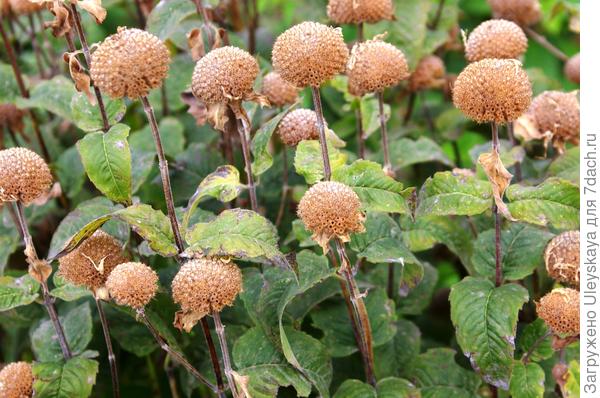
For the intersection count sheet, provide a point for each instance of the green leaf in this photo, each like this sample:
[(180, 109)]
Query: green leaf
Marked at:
[(67, 291), (182, 65), (9, 90), (53, 96), (395, 356), (530, 340), (391, 387), (87, 116), (406, 152), (70, 172), (448, 194), (171, 135), (566, 165), (263, 160), (240, 233), (527, 381), (369, 109), (142, 164), (9, 242), (377, 191), (572, 385), (74, 378), (419, 296), (522, 250), (16, 292), (485, 318), (166, 17), (554, 202), (107, 162), (309, 162)]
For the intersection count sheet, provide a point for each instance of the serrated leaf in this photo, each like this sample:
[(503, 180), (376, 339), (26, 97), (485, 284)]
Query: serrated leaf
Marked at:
[(391, 387), (405, 152), (566, 165), (308, 161), (16, 292), (87, 116), (527, 380), (531, 336), (74, 378), (52, 95), (419, 296), (67, 291), (263, 160)]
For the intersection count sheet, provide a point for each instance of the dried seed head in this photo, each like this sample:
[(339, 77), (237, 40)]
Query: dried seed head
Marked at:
[(373, 66), (132, 284), (309, 54), (493, 90), (23, 7), (206, 285), (11, 117), (572, 68), (359, 11), (429, 73), (560, 310), (278, 91), (496, 38), (4, 7), (562, 258), (16, 380), (558, 113), (224, 74), (331, 209), (91, 263), (130, 63), (298, 125), (523, 12), (24, 175)]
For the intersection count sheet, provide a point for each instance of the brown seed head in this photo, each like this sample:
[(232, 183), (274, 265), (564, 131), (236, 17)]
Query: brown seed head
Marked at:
[(523, 12), (4, 7), (572, 68), (91, 263), (359, 11), (558, 113), (11, 117), (206, 285), (496, 38), (373, 66), (24, 175), (224, 74), (16, 380), (298, 125), (309, 54), (429, 73), (130, 63), (132, 284), (562, 258), (560, 310), (278, 91), (23, 7), (493, 90)]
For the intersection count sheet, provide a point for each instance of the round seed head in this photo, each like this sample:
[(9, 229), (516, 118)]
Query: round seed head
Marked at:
[(4, 7), (309, 54), (331, 209), (523, 12), (298, 125), (16, 380), (91, 263), (24, 175), (23, 7), (429, 73), (130, 63), (493, 90), (560, 310), (206, 285), (11, 117), (359, 11), (224, 74), (132, 284), (562, 258), (278, 91), (558, 113), (496, 38), (572, 68), (375, 65)]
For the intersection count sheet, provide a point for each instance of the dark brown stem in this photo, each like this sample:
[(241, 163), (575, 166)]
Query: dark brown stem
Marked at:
[(164, 99), (438, 15), (360, 27), (527, 355), (427, 112), (387, 163), (497, 220), (410, 107), (212, 351), (284, 189), (112, 360), (244, 132), (360, 134), (316, 95), (140, 14), (252, 26), (36, 48), (511, 136), (390, 280), (220, 329), (542, 41), (494, 391)]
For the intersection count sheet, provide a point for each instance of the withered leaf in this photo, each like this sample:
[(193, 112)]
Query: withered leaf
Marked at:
[(94, 8), (196, 44), (196, 108), (498, 176), (79, 76), (61, 24)]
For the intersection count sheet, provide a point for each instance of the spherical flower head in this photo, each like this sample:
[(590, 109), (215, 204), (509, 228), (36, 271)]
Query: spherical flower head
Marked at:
[(359, 11), (309, 54), (11, 117), (278, 91), (562, 258), (24, 175), (331, 210), (130, 63), (132, 284), (493, 90), (572, 68), (497, 38), (24, 7), (223, 75), (91, 263), (523, 12), (298, 125), (375, 65), (558, 113), (560, 310), (429, 73), (16, 380)]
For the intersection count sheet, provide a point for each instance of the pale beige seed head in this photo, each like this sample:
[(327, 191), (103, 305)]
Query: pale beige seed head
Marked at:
[(11, 117), (429, 73), (560, 310), (493, 90), (309, 54), (359, 11), (24, 175), (298, 125), (373, 66), (572, 68), (224, 74), (91, 263), (132, 284), (558, 113), (23, 7), (130, 63), (16, 380), (206, 285), (497, 38), (278, 91), (562, 258), (523, 12)]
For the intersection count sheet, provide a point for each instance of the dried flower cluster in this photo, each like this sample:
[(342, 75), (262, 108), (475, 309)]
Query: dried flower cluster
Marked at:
[(132, 284), (429, 73), (562, 258), (359, 11), (130, 63), (558, 113), (523, 12), (11, 117), (24, 7), (497, 38), (16, 380), (24, 175), (572, 68), (298, 125), (560, 310), (278, 91)]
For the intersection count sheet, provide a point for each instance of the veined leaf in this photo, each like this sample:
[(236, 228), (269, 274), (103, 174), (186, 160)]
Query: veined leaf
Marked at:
[(309, 162), (566, 165), (391, 387), (52, 95), (263, 160), (527, 380), (87, 116), (406, 152), (16, 292), (73, 378), (9, 90)]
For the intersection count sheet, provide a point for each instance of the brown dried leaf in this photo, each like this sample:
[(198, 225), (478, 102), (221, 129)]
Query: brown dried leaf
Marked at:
[(498, 176), (186, 320), (79, 76), (196, 44), (242, 383), (39, 270), (94, 8), (60, 25), (54, 192), (196, 108), (217, 116)]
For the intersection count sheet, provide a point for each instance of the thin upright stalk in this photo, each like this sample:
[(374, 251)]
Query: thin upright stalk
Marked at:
[(510, 129), (212, 351), (438, 15), (220, 329), (410, 107), (284, 189), (536, 344), (140, 14), (387, 163), (252, 25), (542, 41), (360, 133), (244, 133), (36, 48), (390, 280), (112, 360), (171, 377), (497, 220), (316, 95)]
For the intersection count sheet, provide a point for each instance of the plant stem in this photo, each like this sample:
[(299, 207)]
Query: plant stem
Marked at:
[(497, 220), (252, 26), (360, 27), (111, 355), (360, 133), (36, 47), (410, 107), (140, 14), (212, 353), (284, 189), (438, 15), (527, 355), (542, 41), (220, 329), (511, 136), (387, 164), (390, 280), (243, 129), (164, 173), (316, 95), (171, 377)]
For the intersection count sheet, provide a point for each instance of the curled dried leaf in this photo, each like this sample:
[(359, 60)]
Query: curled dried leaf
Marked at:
[(196, 108), (94, 8), (196, 44), (61, 24), (39, 270), (80, 77), (498, 176), (242, 383), (186, 320), (54, 192)]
